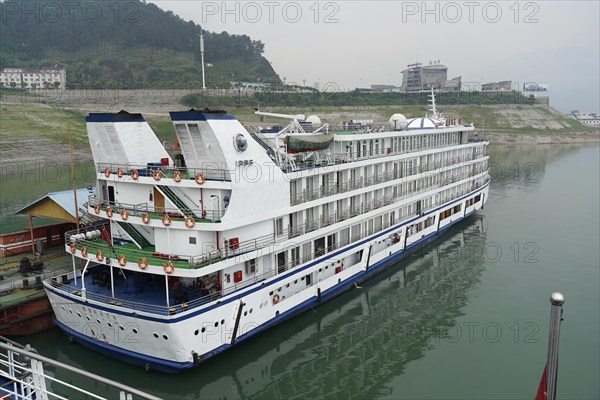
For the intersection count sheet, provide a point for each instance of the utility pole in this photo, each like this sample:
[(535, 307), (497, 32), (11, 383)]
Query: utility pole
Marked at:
[(202, 59)]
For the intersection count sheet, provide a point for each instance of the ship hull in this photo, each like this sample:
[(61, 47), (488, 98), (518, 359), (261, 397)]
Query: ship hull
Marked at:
[(230, 309)]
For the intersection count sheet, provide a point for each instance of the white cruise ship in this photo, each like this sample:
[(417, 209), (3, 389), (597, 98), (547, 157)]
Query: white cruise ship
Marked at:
[(245, 227)]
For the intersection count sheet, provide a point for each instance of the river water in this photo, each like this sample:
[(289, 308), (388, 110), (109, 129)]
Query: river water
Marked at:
[(465, 318)]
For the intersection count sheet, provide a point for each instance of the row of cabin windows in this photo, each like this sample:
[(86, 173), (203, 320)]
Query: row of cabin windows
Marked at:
[(360, 202), (374, 147), (385, 170)]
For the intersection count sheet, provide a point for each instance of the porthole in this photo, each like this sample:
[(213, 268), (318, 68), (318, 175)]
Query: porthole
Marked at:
[(222, 322), (165, 337), (203, 330), (63, 307), (71, 311), (250, 312), (155, 335), (88, 317), (245, 313), (78, 314), (135, 330), (216, 324), (288, 285), (109, 324), (121, 327), (196, 332), (98, 321), (279, 290)]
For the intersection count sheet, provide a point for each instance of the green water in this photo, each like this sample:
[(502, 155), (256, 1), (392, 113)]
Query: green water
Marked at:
[(466, 318)]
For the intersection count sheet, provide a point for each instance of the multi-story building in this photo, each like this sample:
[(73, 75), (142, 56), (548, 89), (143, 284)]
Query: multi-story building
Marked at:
[(46, 78), (418, 77)]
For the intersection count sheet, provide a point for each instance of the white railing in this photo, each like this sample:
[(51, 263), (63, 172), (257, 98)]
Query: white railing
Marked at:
[(23, 377), (210, 171)]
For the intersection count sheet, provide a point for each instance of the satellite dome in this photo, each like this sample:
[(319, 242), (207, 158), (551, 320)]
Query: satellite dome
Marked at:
[(397, 122), (314, 120), (421, 123)]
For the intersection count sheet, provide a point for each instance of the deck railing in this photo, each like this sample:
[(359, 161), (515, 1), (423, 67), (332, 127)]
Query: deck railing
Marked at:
[(138, 210), (171, 309), (23, 376), (210, 171)]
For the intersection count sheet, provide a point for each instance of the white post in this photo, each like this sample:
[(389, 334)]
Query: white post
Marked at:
[(112, 282), (167, 288), (83, 279), (74, 270), (557, 300), (202, 59)]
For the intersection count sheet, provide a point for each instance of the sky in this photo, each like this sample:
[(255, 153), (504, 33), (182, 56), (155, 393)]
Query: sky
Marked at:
[(349, 44)]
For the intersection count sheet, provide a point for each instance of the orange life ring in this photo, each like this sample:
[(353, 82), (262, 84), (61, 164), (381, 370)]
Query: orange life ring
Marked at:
[(200, 178), (84, 251), (73, 248), (134, 174), (97, 208), (122, 260), (99, 255), (189, 222), (107, 172), (168, 267), (156, 174), (276, 299), (109, 212), (143, 263), (166, 219), (145, 218), (124, 214), (177, 176), (120, 172)]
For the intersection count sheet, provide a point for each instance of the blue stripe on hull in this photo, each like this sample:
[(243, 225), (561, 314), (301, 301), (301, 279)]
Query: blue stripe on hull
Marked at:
[(167, 366)]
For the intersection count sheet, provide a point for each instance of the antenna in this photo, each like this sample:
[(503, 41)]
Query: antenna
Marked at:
[(202, 59), (432, 104)]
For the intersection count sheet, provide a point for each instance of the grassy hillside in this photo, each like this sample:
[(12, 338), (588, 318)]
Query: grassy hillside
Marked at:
[(129, 44)]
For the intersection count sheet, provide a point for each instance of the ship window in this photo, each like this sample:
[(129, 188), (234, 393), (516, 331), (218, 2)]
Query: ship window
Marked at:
[(196, 332), (203, 330), (245, 313), (165, 337), (135, 330), (216, 324), (109, 324), (250, 312), (156, 335), (192, 240), (121, 327), (78, 314)]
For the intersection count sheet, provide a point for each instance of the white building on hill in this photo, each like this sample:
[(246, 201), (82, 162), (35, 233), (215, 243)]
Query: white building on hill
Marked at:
[(46, 78)]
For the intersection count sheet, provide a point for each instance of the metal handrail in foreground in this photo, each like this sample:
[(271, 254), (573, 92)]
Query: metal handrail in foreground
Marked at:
[(23, 369)]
